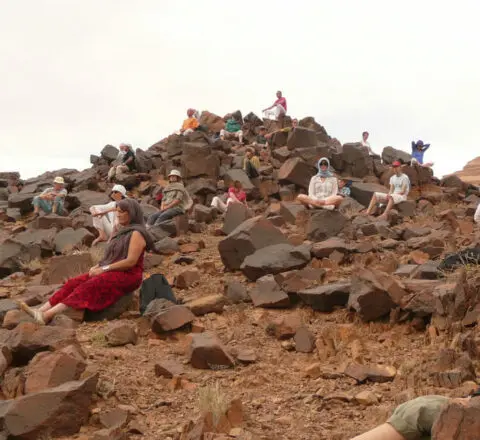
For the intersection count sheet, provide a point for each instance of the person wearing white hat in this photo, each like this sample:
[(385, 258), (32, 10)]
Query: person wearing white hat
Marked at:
[(51, 200), (105, 216), (127, 159), (176, 200)]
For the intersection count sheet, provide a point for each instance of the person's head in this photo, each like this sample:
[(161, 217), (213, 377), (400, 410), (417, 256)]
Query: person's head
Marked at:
[(237, 185), (294, 122), (419, 145), (118, 193), (279, 94), (365, 135), (124, 147), (323, 164), (190, 112), (174, 176), (262, 130), (344, 182), (58, 183), (129, 212), (249, 153), (397, 167)]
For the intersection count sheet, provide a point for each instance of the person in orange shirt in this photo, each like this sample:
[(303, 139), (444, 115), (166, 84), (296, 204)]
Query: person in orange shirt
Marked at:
[(190, 124)]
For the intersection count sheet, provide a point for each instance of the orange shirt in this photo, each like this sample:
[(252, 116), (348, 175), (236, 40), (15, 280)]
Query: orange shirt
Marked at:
[(190, 123)]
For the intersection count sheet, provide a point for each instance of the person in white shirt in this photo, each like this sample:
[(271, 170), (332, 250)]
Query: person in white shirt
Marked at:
[(105, 216), (399, 187), (323, 189), (365, 143), (476, 217)]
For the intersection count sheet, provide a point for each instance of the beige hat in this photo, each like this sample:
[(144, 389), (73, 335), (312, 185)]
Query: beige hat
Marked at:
[(175, 173), (119, 188), (59, 180)]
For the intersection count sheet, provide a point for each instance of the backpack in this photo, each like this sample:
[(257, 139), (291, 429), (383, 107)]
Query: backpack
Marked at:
[(155, 287)]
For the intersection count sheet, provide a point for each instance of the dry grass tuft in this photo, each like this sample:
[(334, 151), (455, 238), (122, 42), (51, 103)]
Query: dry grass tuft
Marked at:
[(32, 266), (211, 399), (99, 339)]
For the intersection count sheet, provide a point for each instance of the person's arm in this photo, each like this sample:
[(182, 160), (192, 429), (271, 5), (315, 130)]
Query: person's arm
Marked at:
[(392, 188), (130, 159), (426, 147), (135, 249), (311, 187), (231, 195), (414, 146), (176, 201), (334, 187)]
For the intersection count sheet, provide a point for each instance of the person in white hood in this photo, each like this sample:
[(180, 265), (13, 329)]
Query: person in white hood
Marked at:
[(323, 189), (105, 216)]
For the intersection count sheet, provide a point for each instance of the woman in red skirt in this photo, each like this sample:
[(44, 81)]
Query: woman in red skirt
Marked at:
[(120, 271)]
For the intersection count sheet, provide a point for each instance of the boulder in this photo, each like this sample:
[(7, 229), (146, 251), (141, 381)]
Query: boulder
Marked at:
[(85, 199), (13, 254), (267, 293), (301, 137), (213, 122), (323, 249), (207, 352), (121, 333), (284, 327), (202, 187), (236, 214), (187, 278), (325, 298), (109, 153), (143, 161), (23, 202), (289, 211), (304, 340), (49, 370), (324, 224), (275, 259), (59, 411), (198, 160), (167, 246), (5, 306), (113, 312), (295, 281), (238, 174), (252, 235), (52, 221), (236, 292), (64, 267), (297, 171), (357, 161), (458, 421), (390, 155), (363, 192), (69, 239), (172, 318), (168, 369), (453, 181), (207, 304), (37, 241), (203, 214)]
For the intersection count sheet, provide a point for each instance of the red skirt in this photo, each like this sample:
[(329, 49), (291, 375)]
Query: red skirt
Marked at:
[(98, 292)]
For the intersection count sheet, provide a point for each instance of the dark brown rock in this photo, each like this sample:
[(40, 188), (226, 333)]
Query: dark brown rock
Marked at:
[(64, 267), (325, 298), (207, 352), (297, 171), (324, 224), (236, 214), (172, 319), (267, 293)]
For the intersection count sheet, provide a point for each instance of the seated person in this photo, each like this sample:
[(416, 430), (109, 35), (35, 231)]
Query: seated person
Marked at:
[(399, 188), (366, 144), (118, 273), (175, 201), (323, 189), (277, 110), (344, 187), (191, 123), (476, 216), (418, 150), (232, 129), (251, 163), (235, 194), (261, 139), (414, 419), (105, 216), (127, 157), (51, 200)]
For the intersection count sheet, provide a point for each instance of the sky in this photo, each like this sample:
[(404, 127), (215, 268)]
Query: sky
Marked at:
[(79, 74)]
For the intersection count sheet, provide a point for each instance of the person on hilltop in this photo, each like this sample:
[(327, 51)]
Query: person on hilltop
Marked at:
[(476, 216), (279, 109), (418, 150), (233, 129), (175, 201), (323, 189), (119, 272), (127, 158), (365, 143), (399, 188), (51, 200), (251, 163), (191, 123), (415, 419), (235, 194), (344, 185), (261, 138), (105, 216)]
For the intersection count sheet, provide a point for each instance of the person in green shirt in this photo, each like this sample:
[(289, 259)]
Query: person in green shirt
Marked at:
[(233, 129)]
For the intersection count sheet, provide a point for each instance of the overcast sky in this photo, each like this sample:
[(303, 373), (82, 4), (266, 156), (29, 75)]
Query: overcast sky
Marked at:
[(78, 74)]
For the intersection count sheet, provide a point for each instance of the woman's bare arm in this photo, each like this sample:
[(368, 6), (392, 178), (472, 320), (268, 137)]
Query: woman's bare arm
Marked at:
[(135, 250)]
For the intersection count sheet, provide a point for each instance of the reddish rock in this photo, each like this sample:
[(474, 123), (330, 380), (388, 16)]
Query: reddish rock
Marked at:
[(323, 249), (207, 352), (304, 340), (171, 319), (458, 421), (284, 327), (207, 304), (168, 369), (236, 214), (61, 268), (267, 293), (297, 171), (187, 278), (295, 281), (372, 373), (324, 224), (289, 211), (121, 333), (326, 297)]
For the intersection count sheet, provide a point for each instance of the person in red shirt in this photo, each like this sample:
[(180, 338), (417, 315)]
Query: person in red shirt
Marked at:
[(235, 194), (280, 108)]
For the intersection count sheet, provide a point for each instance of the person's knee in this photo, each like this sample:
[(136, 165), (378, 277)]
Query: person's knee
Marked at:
[(36, 200)]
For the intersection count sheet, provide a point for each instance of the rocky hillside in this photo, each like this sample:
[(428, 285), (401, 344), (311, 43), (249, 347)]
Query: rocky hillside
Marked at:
[(290, 323), (470, 172)]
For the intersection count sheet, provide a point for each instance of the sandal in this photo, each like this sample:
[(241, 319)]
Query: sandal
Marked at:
[(37, 315)]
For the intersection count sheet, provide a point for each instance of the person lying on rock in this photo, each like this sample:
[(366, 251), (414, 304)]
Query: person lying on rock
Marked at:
[(127, 157), (418, 150), (51, 200), (118, 273), (399, 188), (233, 129), (175, 201), (323, 189), (190, 124), (235, 194), (277, 110), (413, 420), (251, 163), (105, 216)]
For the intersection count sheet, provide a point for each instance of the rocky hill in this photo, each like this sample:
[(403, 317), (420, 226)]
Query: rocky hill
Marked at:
[(290, 323), (470, 172)]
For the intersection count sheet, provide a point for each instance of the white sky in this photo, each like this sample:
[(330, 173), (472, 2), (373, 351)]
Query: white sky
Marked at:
[(78, 74)]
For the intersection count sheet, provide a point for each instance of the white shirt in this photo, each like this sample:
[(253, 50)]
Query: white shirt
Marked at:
[(321, 190), (476, 217), (398, 182)]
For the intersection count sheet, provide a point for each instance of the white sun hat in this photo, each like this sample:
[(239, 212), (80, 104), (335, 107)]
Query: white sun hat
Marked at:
[(175, 173)]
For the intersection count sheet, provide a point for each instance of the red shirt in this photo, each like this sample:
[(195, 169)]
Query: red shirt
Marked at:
[(282, 101), (238, 193)]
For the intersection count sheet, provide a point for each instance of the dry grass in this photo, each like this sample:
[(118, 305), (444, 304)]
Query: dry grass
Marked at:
[(211, 399), (31, 266), (96, 253), (99, 339)]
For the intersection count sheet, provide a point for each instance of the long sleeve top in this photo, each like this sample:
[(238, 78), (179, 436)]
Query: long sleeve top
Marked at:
[(320, 190), (418, 154)]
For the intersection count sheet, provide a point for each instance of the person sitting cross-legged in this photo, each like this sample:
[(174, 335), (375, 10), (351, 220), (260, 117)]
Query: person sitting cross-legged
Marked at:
[(399, 188), (51, 200), (323, 189), (118, 273), (175, 201)]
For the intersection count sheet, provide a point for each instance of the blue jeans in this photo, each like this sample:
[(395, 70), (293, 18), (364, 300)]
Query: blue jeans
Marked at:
[(163, 216), (47, 205)]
